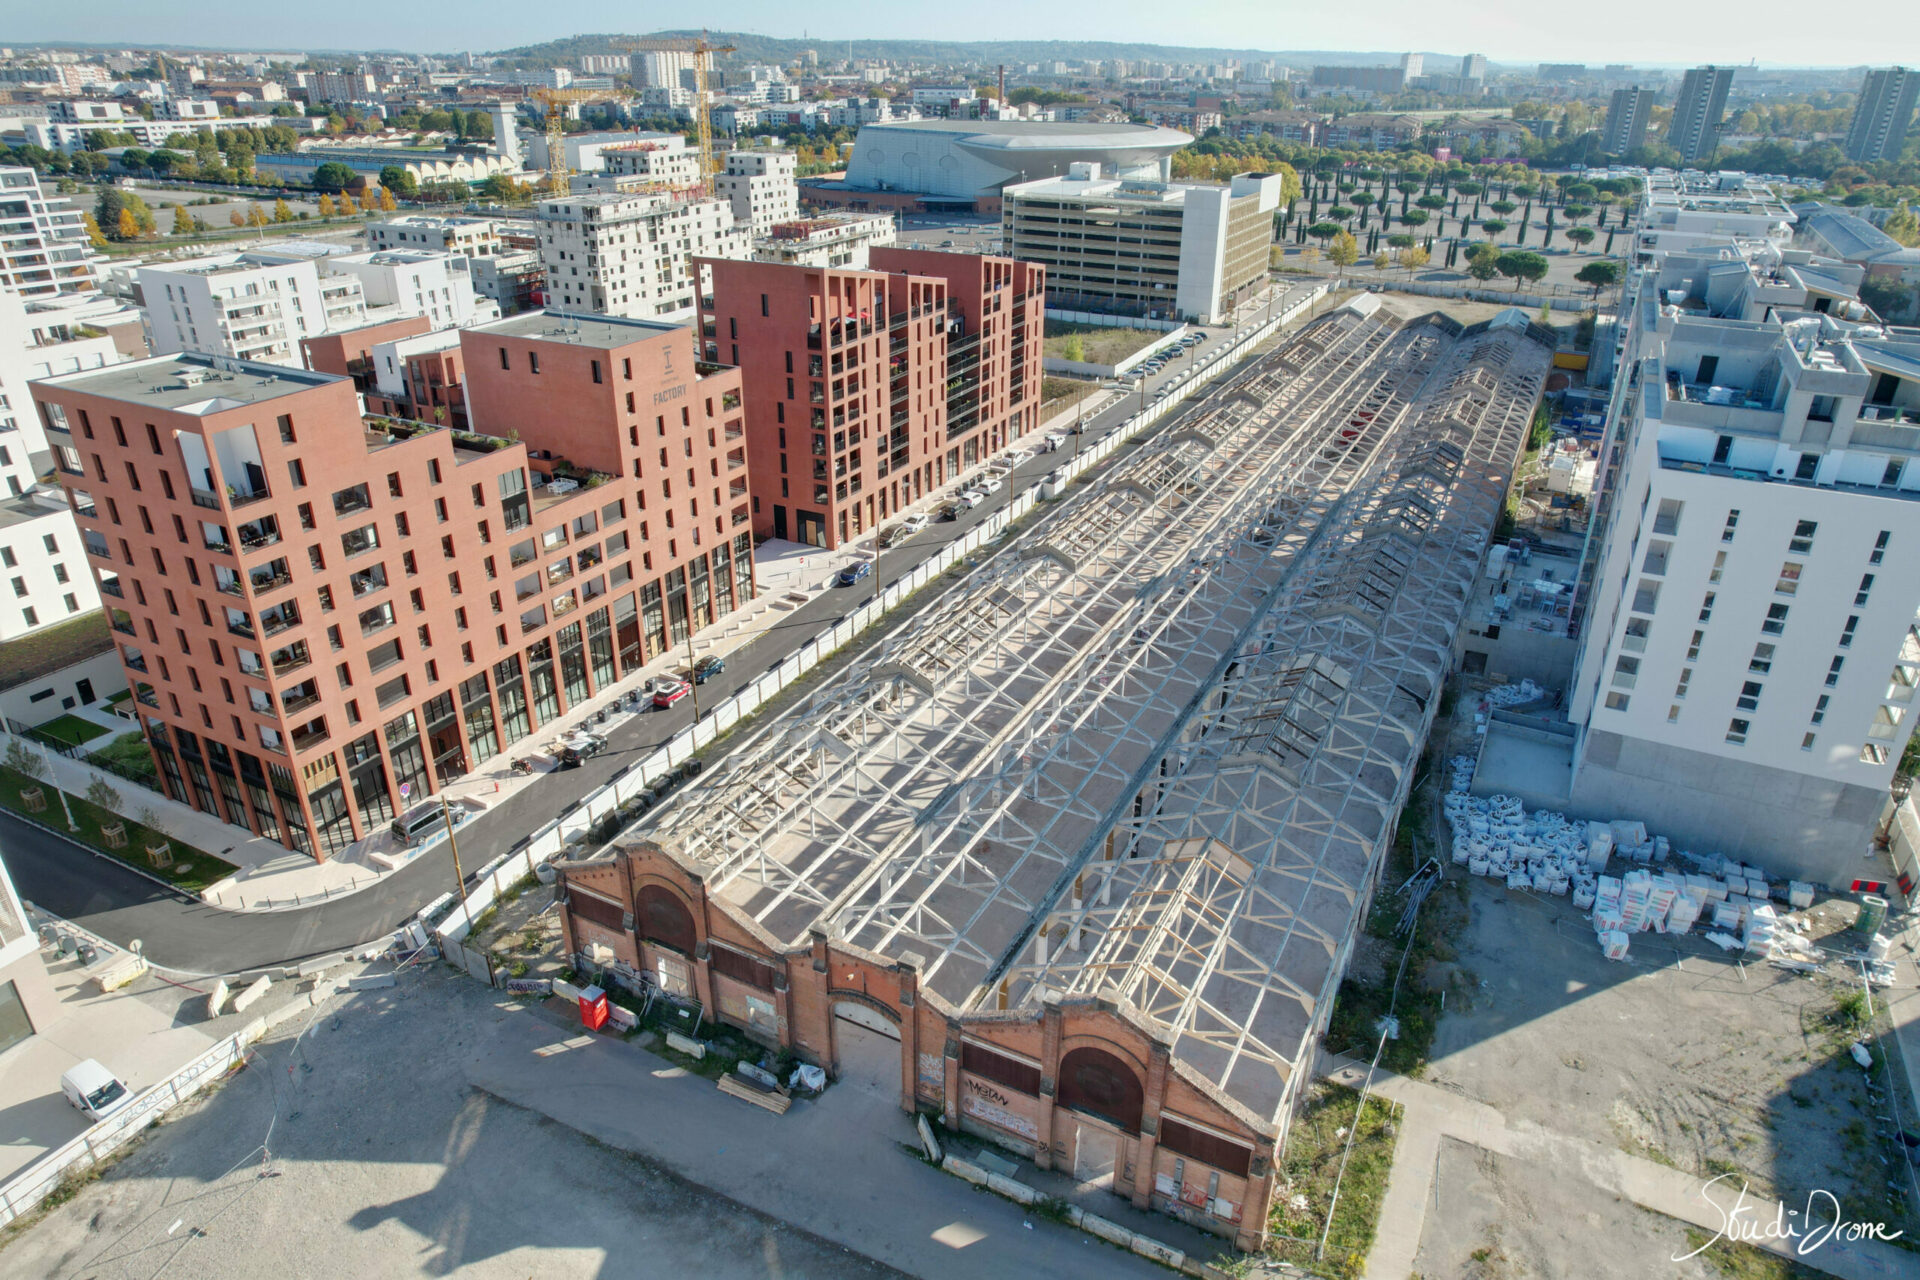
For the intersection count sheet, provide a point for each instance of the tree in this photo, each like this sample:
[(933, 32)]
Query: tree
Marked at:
[(1503, 207), (1904, 226), (1576, 212), (127, 228), (1599, 275), (1343, 251), (1413, 259), (1431, 202), (1518, 264), (182, 221), (92, 225), (1399, 241), (1340, 213), (1493, 226), (237, 218), (1581, 236), (1381, 261), (1073, 349), (1414, 217), (326, 205), (21, 760), (1483, 262), (332, 176), (395, 178), (1324, 231), (281, 213), (256, 216), (387, 204), (101, 795)]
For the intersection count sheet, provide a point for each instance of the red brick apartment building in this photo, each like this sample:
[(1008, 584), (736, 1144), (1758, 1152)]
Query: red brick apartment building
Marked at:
[(312, 612), (866, 390)]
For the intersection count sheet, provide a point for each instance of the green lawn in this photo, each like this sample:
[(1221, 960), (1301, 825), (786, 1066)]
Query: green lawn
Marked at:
[(192, 869), (50, 648), (70, 730), (128, 753), (1098, 345)]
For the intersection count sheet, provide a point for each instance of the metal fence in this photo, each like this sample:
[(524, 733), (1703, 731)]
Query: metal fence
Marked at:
[(26, 1190), (667, 764)]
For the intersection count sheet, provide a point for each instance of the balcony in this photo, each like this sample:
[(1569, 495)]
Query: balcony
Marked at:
[(229, 586), (206, 498), (135, 661), (310, 734), (120, 620), (274, 621), (112, 587), (97, 546), (260, 533), (271, 579), (1890, 414), (368, 581), (299, 698), (146, 696), (291, 658), (242, 627)]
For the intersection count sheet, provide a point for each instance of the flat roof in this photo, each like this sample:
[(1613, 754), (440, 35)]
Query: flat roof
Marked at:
[(583, 329), (188, 382)]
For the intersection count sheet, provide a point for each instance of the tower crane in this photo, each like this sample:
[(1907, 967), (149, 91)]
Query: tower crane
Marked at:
[(556, 101), (702, 53)]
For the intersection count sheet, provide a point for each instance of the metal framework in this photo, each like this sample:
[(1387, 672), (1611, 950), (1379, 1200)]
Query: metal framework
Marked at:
[(1152, 755)]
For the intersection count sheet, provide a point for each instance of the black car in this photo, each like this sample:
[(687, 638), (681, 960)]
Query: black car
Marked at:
[(708, 667)]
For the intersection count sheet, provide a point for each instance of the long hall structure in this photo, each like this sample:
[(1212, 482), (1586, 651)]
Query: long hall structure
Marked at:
[(1093, 839)]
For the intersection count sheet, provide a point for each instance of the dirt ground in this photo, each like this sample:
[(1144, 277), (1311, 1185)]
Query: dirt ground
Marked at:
[(523, 934)]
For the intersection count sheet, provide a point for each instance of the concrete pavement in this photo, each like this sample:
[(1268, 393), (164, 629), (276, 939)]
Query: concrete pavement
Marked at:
[(1432, 1114)]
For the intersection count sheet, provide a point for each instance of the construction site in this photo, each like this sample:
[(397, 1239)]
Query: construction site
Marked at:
[(1076, 862)]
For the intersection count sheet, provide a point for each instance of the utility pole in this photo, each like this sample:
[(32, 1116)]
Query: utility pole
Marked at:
[(459, 876), (693, 686)]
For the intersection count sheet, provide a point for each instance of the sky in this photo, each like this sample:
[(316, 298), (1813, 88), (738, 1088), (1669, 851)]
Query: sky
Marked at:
[(1644, 32)]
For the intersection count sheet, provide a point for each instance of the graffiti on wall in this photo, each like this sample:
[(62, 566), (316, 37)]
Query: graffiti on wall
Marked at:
[(984, 1102)]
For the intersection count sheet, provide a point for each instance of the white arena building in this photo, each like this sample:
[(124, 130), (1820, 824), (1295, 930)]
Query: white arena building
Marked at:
[(969, 159)]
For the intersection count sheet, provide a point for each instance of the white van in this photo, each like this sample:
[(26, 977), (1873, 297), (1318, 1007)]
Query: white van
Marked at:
[(95, 1090)]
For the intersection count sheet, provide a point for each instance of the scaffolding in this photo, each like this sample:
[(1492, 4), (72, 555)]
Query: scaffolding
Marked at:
[(1152, 754)]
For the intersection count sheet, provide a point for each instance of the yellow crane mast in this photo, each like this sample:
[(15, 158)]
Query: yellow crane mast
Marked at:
[(556, 102), (702, 116)]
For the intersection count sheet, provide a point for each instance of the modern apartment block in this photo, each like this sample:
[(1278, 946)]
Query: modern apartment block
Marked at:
[(435, 283), (1750, 649), (660, 157), (631, 255), (314, 609), (1627, 116), (28, 1002), (1881, 114), (867, 390), (1694, 130), (44, 249), (469, 237), (826, 240), (761, 186), (248, 306), (1134, 247)]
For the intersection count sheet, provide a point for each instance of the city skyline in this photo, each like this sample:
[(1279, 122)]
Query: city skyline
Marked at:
[(1507, 32)]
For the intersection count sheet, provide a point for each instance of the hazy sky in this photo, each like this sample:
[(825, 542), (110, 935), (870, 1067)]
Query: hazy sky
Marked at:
[(1636, 31)]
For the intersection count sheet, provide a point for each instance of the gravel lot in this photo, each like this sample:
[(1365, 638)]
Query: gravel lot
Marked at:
[(384, 1162)]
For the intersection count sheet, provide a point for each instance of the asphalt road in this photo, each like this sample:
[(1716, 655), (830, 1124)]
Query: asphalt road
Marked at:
[(196, 938)]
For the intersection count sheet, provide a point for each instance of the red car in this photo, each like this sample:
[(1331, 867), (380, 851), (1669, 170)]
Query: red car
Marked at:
[(668, 692)]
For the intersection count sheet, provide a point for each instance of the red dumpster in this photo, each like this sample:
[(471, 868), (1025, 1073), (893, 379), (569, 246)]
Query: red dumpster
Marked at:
[(593, 1008)]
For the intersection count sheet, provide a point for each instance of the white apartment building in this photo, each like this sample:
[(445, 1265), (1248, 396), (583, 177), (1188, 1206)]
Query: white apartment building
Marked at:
[(653, 157), (251, 306), (421, 282), (1750, 649), (44, 577), (659, 70), (1681, 212), (762, 187), (839, 240), (44, 250), (471, 237), (65, 135), (630, 255)]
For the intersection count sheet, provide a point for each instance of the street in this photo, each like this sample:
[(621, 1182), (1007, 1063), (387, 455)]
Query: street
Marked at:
[(193, 937)]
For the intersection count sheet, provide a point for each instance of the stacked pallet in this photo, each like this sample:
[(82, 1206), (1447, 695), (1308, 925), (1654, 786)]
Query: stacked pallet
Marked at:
[(776, 1099)]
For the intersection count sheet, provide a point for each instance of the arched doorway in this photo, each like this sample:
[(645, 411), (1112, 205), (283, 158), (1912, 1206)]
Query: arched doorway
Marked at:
[(866, 1049), (664, 919), (1108, 1098)]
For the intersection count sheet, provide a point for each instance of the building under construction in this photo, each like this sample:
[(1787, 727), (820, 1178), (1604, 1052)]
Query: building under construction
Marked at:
[(1091, 840)]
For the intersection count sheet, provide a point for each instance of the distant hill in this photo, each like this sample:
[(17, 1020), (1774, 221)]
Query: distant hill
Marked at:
[(759, 48)]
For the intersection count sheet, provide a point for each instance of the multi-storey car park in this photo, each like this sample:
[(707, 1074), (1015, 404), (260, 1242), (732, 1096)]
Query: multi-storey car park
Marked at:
[(1092, 840)]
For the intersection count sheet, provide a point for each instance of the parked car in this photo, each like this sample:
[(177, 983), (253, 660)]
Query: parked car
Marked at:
[(587, 744), (708, 667), (422, 819), (947, 510), (668, 692), (858, 571), (892, 536), (96, 1091), (1017, 456), (989, 484), (913, 524), (971, 499)]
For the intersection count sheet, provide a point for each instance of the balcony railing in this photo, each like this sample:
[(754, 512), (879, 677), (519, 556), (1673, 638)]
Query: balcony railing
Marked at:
[(240, 629), (98, 547), (231, 587), (309, 735), (274, 625), (300, 703), (112, 587), (206, 498), (292, 662), (269, 581)]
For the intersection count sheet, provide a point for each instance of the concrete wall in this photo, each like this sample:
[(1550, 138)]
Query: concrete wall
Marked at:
[(1790, 823), (32, 701)]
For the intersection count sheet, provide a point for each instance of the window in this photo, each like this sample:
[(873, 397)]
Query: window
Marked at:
[(1625, 672), (1646, 597), (533, 361), (1860, 596), (1733, 519), (1693, 649), (1616, 702), (1719, 566), (1802, 541), (1749, 699), (1879, 548), (1776, 620), (1820, 709), (1762, 660), (1737, 731), (1846, 632), (504, 362), (1890, 476), (1788, 583), (1806, 741), (1706, 608), (1808, 464), (1680, 689), (1833, 672), (1673, 714)]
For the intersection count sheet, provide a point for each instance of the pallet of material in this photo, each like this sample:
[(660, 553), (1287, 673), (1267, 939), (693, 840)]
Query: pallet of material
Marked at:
[(774, 1100)]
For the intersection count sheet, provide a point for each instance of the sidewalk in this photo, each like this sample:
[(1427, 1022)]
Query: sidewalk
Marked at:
[(1432, 1114)]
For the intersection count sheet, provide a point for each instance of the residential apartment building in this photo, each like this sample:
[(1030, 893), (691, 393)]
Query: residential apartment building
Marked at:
[(430, 282), (1882, 114), (1371, 131), (663, 158), (1626, 125), (867, 390), (314, 610), (630, 255), (761, 187), (1133, 247), (1749, 653), (659, 70), (244, 305), (514, 282), (826, 240), (28, 1002), (468, 237), (1303, 127), (44, 248), (1694, 130)]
